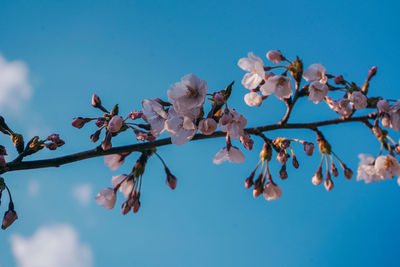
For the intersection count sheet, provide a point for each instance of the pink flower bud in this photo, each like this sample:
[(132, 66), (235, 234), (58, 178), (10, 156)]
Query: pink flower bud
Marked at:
[(295, 162), (275, 56), (136, 205), (328, 183), (94, 137), (100, 122), (106, 144), (79, 122), (9, 218), (348, 173), (51, 146), (339, 80), (372, 71), (134, 115), (258, 187), (219, 99), (397, 149), (96, 102), (317, 178), (115, 124), (334, 170), (207, 126), (283, 173), (126, 206), (171, 179), (385, 120), (308, 148)]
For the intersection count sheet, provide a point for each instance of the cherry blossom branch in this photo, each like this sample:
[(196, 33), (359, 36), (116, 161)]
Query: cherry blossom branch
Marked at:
[(98, 151)]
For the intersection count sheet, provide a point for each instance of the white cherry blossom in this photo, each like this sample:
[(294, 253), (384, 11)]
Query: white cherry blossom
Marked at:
[(395, 116), (207, 126), (182, 129), (255, 68), (358, 100), (387, 167), (235, 125), (253, 99), (188, 95), (126, 184), (317, 92), (106, 198), (272, 191), (341, 106), (114, 161), (154, 113), (233, 154), (315, 72), (366, 169), (383, 105), (279, 85)]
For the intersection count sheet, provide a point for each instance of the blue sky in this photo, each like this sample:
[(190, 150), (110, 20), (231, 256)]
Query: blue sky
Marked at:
[(126, 51)]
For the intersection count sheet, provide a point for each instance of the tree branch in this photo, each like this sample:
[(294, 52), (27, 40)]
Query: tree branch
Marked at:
[(97, 152)]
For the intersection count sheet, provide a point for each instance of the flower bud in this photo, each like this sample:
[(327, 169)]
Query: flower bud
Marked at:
[(79, 122), (385, 120), (348, 173), (219, 98), (171, 179), (317, 178), (275, 56), (328, 183), (134, 115), (100, 122), (106, 144), (283, 173), (225, 119), (126, 206), (258, 186), (339, 80), (115, 124), (372, 71), (9, 216), (308, 148), (95, 137), (295, 162), (334, 170), (136, 205), (96, 102)]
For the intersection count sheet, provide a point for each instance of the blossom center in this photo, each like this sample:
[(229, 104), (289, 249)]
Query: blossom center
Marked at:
[(192, 92)]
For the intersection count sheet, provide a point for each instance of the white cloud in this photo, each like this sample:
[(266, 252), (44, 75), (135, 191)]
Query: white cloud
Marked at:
[(14, 85), (33, 188), (83, 193), (55, 245)]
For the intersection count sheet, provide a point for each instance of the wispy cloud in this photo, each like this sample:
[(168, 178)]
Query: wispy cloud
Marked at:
[(83, 193), (33, 188), (55, 245), (14, 86)]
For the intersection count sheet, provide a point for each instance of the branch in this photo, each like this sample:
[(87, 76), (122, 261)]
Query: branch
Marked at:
[(97, 152)]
